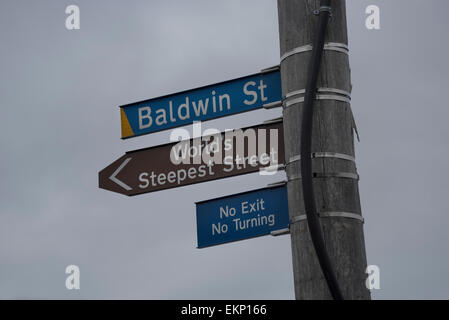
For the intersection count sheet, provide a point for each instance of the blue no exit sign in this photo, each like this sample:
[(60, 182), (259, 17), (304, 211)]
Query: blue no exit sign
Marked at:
[(201, 104), (241, 216)]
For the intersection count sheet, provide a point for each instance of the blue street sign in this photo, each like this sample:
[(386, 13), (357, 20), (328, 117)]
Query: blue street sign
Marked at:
[(201, 104), (241, 216)]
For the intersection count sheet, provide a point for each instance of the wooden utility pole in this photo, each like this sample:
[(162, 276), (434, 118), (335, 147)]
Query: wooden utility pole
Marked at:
[(336, 179)]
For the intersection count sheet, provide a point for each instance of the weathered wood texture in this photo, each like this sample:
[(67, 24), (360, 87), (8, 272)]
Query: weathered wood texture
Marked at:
[(332, 132)]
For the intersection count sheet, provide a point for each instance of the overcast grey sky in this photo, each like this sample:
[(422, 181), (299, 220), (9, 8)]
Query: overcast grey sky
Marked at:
[(59, 96)]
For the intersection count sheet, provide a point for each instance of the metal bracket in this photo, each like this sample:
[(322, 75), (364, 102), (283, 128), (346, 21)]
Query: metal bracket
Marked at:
[(273, 120), (276, 184), (272, 105), (272, 168), (329, 214), (281, 232), (273, 68)]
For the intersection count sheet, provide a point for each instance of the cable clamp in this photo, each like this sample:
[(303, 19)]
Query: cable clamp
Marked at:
[(323, 9)]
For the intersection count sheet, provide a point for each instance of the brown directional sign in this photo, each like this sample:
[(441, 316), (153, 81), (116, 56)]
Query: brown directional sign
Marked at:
[(216, 156)]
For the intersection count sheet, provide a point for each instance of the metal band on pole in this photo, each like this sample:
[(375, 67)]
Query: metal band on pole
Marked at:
[(319, 90), (331, 46), (289, 103), (330, 214), (323, 155), (344, 175)]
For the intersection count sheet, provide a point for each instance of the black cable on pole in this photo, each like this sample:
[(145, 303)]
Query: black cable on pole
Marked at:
[(306, 159)]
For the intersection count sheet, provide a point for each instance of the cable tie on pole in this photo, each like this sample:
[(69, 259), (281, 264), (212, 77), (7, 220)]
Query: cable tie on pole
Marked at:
[(323, 9)]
